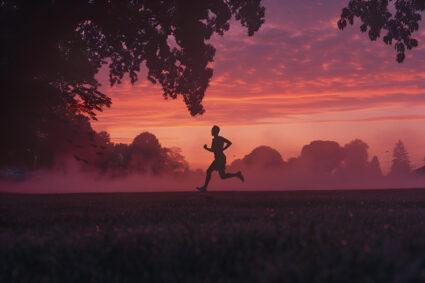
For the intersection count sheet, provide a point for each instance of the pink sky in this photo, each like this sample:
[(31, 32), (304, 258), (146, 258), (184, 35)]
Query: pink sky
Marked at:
[(298, 79)]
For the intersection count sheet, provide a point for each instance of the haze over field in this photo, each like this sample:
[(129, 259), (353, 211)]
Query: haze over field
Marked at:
[(145, 165)]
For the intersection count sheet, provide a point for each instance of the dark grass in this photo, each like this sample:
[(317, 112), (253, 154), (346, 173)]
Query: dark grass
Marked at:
[(305, 236)]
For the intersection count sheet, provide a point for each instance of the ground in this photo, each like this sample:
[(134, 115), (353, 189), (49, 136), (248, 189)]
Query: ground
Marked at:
[(304, 236)]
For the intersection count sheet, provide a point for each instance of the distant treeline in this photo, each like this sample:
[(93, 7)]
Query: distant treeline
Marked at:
[(327, 157), (74, 138)]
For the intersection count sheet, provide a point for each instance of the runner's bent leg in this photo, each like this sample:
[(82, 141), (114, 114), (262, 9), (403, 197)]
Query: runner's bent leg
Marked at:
[(225, 175)]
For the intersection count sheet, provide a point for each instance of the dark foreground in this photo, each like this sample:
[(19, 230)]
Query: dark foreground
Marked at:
[(321, 236)]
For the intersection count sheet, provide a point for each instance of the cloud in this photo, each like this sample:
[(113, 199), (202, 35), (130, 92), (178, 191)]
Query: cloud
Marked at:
[(293, 65), (298, 69)]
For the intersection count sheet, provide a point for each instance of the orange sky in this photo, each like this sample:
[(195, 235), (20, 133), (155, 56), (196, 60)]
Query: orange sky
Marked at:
[(298, 79)]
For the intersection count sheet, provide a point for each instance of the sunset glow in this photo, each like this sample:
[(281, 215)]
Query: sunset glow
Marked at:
[(298, 79)]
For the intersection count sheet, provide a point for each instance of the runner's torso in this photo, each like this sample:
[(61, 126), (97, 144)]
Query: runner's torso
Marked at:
[(217, 147)]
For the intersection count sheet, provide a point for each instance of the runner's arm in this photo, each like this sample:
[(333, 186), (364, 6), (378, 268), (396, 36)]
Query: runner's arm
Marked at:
[(228, 143), (206, 147)]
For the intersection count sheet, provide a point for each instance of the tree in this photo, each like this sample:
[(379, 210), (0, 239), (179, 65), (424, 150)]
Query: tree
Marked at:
[(376, 17), (356, 156), (51, 51), (400, 164), (263, 157), (375, 167), (321, 157), (73, 137), (146, 155)]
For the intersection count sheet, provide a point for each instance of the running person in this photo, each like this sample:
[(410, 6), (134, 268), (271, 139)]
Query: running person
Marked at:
[(219, 162)]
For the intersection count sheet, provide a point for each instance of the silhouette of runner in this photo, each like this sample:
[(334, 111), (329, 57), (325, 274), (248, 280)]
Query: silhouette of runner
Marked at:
[(219, 163)]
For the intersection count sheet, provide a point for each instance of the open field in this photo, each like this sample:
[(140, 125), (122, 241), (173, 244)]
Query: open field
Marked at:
[(305, 236)]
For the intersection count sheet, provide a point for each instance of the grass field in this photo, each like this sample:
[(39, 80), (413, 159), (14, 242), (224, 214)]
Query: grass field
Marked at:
[(304, 236)]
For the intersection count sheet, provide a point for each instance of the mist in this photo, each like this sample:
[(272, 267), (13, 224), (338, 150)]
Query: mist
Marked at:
[(149, 167), (75, 180)]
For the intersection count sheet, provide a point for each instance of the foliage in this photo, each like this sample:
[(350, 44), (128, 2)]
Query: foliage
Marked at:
[(376, 17), (400, 164), (322, 156), (51, 51)]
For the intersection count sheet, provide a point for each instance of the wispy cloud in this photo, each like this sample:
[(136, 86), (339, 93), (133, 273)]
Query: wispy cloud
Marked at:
[(299, 64)]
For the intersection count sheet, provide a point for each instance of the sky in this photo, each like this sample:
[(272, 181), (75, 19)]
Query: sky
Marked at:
[(297, 80)]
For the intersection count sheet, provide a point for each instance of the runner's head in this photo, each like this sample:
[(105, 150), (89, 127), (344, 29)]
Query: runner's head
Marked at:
[(215, 130)]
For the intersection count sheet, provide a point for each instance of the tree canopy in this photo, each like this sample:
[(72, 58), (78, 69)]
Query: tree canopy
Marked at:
[(51, 51), (376, 17)]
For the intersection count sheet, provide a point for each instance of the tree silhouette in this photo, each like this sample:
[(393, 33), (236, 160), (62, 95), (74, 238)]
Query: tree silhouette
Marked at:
[(401, 164), (356, 155), (263, 157), (146, 155), (355, 166), (375, 167), (321, 156), (376, 17), (51, 51)]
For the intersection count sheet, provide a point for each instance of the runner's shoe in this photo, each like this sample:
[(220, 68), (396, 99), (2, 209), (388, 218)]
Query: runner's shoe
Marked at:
[(201, 189)]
